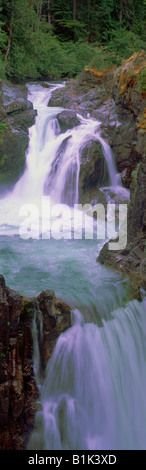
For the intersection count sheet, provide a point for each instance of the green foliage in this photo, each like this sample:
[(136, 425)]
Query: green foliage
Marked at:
[(3, 127), (34, 48), (142, 81), (20, 64), (77, 56), (102, 58), (3, 162), (123, 44), (2, 66), (3, 37), (3, 45)]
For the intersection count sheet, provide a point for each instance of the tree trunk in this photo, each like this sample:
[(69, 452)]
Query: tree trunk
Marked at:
[(11, 31), (74, 10), (49, 16), (40, 11), (121, 13)]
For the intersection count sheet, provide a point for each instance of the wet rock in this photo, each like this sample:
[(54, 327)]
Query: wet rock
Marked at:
[(93, 169), (111, 195), (13, 93), (119, 129), (17, 116), (67, 120), (131, 260), (62, 98), (18, 390), (3, 115), (14, 98), (137, 207), (13, 145), (17, 106), (23, 120), (81, 98)]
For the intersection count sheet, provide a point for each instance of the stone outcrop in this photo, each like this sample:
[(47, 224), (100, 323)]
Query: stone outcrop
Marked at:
[(130, 97), (16, 116), (131, 260), (67, 120), (93, 171), (18, 390), (128, 90)]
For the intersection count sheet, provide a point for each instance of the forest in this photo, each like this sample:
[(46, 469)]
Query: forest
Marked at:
[(56, 39)]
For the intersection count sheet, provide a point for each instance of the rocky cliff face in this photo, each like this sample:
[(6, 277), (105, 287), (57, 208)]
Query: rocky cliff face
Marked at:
[(129, 96), (18, 389)]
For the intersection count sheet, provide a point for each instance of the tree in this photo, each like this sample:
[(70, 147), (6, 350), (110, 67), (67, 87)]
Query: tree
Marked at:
[(74, 10), (10, 30)]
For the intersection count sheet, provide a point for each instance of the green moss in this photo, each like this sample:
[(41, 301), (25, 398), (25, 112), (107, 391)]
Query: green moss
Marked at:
[(142, 81), (3, 127), (12, 155), (27, 310), (135, 172), (133, 186)]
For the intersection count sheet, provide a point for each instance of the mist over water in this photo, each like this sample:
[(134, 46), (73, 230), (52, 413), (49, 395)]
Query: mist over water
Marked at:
[(93, 395)]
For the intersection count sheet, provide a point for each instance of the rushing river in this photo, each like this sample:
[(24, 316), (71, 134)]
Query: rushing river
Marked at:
[(93, 395)]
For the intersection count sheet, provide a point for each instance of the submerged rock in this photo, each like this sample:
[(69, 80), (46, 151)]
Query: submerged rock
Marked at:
[(18, 389)]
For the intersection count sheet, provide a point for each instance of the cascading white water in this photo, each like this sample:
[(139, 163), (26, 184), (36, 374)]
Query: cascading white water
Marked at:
[(50, 170), (93, 395), (52, 160)]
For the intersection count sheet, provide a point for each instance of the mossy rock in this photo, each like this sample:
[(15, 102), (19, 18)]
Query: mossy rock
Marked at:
[(93, 168), (67, 120), (12, 155)]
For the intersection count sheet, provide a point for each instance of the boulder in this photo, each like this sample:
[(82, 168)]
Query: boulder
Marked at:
[(93, 169), (23, 120), (67, 120), (62, 98), (17, 105)]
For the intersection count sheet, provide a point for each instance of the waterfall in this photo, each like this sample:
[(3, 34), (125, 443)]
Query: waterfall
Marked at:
[(93, 396), (53, 158), (93, 393)]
